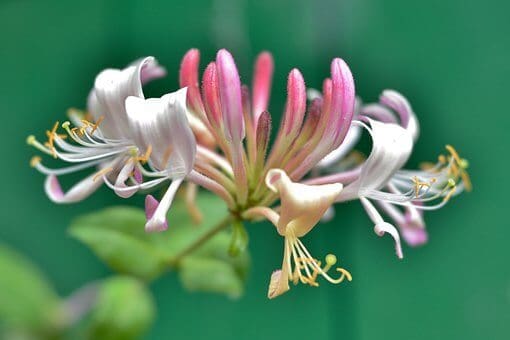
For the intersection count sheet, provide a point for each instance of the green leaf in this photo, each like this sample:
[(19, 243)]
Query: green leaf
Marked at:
[(124, 310), (239, 241), (116, 235), (27, 300), (210, 275)]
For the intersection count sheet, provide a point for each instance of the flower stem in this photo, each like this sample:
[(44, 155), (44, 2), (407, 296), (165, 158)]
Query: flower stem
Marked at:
[(201, 240)]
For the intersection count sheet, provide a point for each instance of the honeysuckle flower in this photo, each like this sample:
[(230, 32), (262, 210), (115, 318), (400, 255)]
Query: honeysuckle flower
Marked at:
[(392, 138), (125, 131), (216, 134), (302, 206)]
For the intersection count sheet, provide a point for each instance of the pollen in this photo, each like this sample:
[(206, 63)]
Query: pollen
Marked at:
[(51, 139), (34, 161), (459, 167), (145, 157)]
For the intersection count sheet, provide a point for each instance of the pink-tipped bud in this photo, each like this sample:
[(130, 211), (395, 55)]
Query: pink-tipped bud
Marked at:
[(188, 77), (262, 79), (188, 74), (211, 95), (296, 103), (230, 96), (342, 98)]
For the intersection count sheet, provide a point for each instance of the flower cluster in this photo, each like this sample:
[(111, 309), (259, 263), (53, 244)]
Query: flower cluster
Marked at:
[(215, 134)]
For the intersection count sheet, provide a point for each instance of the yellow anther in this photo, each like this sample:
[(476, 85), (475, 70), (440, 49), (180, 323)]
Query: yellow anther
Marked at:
[(65, 125), (34, 161), (31, 140), (418, 185), (145, 157), (96, 125), (451, 182), (441, 159), (101, 173), (459, 167), (51, 138)]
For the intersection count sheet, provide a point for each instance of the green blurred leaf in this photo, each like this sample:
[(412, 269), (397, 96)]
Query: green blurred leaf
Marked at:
[(210, 275), (239, 241), (27, 300), (124, 310), (117, 236)]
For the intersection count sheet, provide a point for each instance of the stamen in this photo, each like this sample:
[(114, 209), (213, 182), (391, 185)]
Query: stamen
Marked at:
[(145, 157), (306, 268), (34, 161), (101, 173)]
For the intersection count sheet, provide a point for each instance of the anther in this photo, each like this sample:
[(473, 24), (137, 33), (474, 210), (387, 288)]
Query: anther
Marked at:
[(31, 140), (34, 161)]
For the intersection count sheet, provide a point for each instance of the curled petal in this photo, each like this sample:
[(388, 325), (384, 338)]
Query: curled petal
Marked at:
[(400, 105), (160, 124), (302, 206), (391, 147), (383, 227), (156, 212), (279, 283), (126, 172), (112, 87), (78, 192), (151, 205)]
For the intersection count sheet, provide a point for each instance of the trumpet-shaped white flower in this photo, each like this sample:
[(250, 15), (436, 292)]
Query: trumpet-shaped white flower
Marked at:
[(302, 207), (124, 132)]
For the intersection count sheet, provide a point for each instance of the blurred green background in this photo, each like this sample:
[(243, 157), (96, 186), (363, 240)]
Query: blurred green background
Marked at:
[(450, 58)]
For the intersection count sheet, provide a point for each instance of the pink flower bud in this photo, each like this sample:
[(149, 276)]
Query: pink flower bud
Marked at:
[(211, 95), (262, 78), (342, 98), (230, 96), (296, 103), (188, 77)]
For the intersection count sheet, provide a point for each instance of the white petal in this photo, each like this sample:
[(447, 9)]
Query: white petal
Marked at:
[(122, 177), (302, 206), (161, 123), (78, 192), (391, 147), (111, 88), (381, 227), (347, 145), (157, 222)]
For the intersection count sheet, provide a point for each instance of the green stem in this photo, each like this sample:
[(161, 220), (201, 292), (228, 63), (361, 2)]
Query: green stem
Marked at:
[(201, 240)]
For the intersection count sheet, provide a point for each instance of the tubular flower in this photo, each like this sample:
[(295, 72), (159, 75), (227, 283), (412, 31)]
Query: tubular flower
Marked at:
[(216, 134), (124, 132)]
